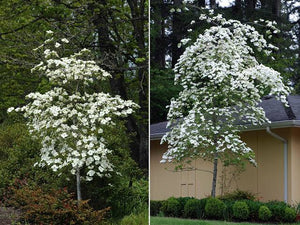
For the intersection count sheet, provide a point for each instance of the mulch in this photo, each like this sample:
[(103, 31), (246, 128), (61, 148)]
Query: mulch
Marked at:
[(9, 215)]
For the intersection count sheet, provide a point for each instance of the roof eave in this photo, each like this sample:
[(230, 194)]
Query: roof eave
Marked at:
[(276, 124)]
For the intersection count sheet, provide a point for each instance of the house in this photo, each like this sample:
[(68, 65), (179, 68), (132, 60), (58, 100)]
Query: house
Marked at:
[(277, 153)]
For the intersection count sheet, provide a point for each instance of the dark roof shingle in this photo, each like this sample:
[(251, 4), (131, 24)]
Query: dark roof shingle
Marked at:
[(274, 109)]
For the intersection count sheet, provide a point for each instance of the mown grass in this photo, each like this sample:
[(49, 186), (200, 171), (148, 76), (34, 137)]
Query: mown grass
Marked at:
[(175, 221)]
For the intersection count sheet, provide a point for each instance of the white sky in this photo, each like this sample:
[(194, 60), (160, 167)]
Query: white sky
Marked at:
[(225, 3)]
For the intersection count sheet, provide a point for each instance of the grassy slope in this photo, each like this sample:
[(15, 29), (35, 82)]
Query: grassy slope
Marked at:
[(175, 221)]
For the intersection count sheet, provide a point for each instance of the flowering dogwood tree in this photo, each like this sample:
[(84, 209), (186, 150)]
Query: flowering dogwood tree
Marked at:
[(70, 121), (222, 85)]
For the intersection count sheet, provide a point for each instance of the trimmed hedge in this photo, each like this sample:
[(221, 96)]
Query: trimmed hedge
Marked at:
[(228, 209)]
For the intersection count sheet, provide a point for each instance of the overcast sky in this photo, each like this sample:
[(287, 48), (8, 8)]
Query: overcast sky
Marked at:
[(225, 3)]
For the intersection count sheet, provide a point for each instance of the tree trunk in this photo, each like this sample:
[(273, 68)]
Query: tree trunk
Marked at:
[(201, 3), (212, 4), (138, 22), (78, 184), (276, 8), (215, 173)]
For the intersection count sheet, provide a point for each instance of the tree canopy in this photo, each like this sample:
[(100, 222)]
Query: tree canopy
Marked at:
[(223, 83)]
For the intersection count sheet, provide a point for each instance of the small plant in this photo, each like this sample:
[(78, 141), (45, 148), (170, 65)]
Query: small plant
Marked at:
[(214, 208), (240, 210), (238, 195), (290, 215), (53, 207), (264, 213), (171, 207), (193, 209), (136, 219)]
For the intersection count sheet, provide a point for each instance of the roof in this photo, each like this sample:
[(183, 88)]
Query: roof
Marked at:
[(279, 115)]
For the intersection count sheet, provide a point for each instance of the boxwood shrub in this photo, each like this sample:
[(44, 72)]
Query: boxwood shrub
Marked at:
[(264, 213), (182, 202), (278, 210), (240, 210), (253, 209), (214, 208), (289, 215), (194, 208), (171, 207)]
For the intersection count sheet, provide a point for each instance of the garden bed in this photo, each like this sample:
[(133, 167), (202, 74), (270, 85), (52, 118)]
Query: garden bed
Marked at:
[(9, 215)]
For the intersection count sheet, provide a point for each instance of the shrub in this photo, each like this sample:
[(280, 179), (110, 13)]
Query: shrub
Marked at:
[(182, 202), (171, 207), (193, 209), (53, 207), (253, 209), (278, 210), (289, 215), (228, 212), (238, 195), (136, 219), (264, 213), (240, 210), (155, 207), (214, 208)]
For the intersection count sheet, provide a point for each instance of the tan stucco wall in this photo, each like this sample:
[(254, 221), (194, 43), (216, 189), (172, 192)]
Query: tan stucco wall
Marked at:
[(266, 180), (294, 169)]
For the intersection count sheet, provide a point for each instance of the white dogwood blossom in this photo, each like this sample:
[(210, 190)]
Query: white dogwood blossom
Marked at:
[(68, 120), (223, 84)]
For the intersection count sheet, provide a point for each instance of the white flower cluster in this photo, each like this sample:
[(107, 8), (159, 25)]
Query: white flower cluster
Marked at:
[(223, 84), (71, 125), (61, 71)]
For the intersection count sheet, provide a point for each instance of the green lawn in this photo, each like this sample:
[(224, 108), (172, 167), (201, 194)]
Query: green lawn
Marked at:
[(175, 221)]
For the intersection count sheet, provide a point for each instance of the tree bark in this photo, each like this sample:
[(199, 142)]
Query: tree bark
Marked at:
[(212, 4), (276, 8), (137, 9), (78, 184), (215, 173)]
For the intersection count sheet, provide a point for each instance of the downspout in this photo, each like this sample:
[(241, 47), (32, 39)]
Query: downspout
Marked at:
[(285, 161)]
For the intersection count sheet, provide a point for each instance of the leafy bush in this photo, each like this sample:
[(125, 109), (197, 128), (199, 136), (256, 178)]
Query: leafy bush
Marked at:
[(214, 208), (182, 202), (289, 215), (253, 209), (171, 207), (194, 209), (278, 210), (240, 210), (155, 207), (228, 212), (264, 213), (238, 195), (136, 219), (53, 207)]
